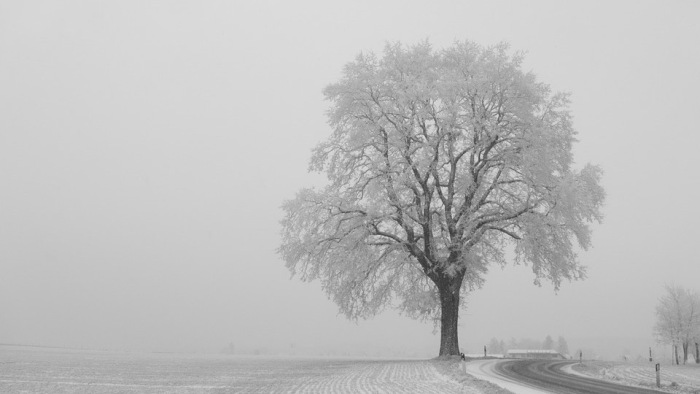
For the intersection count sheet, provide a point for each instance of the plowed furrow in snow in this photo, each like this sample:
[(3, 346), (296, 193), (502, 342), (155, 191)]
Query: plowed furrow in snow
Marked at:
[(389, 377)]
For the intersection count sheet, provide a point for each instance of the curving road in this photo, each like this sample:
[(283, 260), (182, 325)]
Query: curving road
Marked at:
[(543, 376)]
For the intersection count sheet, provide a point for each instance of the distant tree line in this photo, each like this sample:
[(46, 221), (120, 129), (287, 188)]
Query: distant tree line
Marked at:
[(678, 321), (497, 346)]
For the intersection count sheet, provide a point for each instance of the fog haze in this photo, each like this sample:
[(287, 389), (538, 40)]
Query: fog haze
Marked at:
[(146, 149)]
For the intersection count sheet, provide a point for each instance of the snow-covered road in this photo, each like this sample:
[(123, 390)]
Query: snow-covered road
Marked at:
[(484, 370)]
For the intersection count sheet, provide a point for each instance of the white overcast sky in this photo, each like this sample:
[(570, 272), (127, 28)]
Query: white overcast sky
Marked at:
[(146, 147)]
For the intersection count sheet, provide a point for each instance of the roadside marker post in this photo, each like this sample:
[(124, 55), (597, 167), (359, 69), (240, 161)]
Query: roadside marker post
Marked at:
[(658, 375)]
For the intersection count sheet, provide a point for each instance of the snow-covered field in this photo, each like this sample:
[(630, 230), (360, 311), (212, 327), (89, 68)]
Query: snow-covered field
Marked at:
[(674, 378), (44, 370)]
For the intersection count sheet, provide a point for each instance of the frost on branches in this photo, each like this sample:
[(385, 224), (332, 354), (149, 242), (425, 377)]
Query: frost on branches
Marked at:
[(678, 321), (438, 160)]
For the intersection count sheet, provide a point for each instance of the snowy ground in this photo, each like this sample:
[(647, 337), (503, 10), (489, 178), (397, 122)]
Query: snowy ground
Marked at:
[(674, 379), (42, 370)]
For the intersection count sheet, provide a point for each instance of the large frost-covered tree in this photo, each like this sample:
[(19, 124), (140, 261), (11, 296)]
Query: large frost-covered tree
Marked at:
[(438, 159)]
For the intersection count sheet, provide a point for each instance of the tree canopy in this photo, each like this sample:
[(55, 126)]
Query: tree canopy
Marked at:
[(438, 160)]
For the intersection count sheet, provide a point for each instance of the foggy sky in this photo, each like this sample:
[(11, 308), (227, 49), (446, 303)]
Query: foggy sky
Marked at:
[(146, 148)]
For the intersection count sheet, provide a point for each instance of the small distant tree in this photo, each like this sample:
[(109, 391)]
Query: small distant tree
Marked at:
[(562, 346), (437, 161), (548, 343), (693, 325), (678, 320)]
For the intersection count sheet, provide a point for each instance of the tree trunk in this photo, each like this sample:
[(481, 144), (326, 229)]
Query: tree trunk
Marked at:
[(697, 353), (449, 303), (675, 353), (685, 353)]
